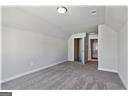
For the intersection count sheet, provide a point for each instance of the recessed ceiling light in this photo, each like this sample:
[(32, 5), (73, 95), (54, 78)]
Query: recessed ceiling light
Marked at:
[(61, 10)]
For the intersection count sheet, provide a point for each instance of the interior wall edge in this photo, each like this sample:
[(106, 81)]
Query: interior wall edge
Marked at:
[(108, 44)]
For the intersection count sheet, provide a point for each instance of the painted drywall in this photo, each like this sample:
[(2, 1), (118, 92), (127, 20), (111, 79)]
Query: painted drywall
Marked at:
[(71, 46), (122, 55), (116, 18), (107, 49), (123, 50), (24, 51), (76, 19), (91, 36), (15, 17), (29, 43)]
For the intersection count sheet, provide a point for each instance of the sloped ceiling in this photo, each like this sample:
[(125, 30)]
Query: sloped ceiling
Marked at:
[(46, 19), (116, 17)]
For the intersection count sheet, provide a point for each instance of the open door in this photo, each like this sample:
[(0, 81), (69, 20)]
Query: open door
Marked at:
[(76, 49), (94, 48)]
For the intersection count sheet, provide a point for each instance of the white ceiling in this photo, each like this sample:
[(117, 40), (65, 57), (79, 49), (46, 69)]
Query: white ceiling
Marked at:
[(116, 17), (76, 19)]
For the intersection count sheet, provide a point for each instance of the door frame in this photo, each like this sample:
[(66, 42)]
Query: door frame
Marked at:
[(76, 49), (91, 42)]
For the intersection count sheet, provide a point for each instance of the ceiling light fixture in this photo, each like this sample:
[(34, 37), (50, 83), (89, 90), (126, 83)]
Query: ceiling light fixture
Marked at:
[(93, 12), (62, 10)]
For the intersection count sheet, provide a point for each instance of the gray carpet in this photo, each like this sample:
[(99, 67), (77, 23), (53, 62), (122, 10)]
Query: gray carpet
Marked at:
[(67, 76), (5, 93)]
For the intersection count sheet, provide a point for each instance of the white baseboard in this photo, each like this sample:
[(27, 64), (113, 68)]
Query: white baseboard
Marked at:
[(29, 72), (109, 70), (122, 79)]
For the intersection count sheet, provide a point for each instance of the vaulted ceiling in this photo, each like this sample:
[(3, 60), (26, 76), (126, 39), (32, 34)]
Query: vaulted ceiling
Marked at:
[(47, 20), (116, 17)]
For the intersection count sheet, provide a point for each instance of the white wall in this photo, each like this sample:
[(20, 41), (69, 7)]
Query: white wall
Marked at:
[(26, 50), (123, 50), (91, 36), (107, 49), (122, 55), (71, 49), (115, 17), (116, 22), (71, 45), (81, 49)]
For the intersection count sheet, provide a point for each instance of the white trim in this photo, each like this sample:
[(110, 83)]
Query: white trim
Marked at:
[(122, 79), (109, 70), (29, 72)]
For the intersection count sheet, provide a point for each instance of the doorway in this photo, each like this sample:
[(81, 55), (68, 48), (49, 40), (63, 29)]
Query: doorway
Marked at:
[(94, 48), (78, 49)]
